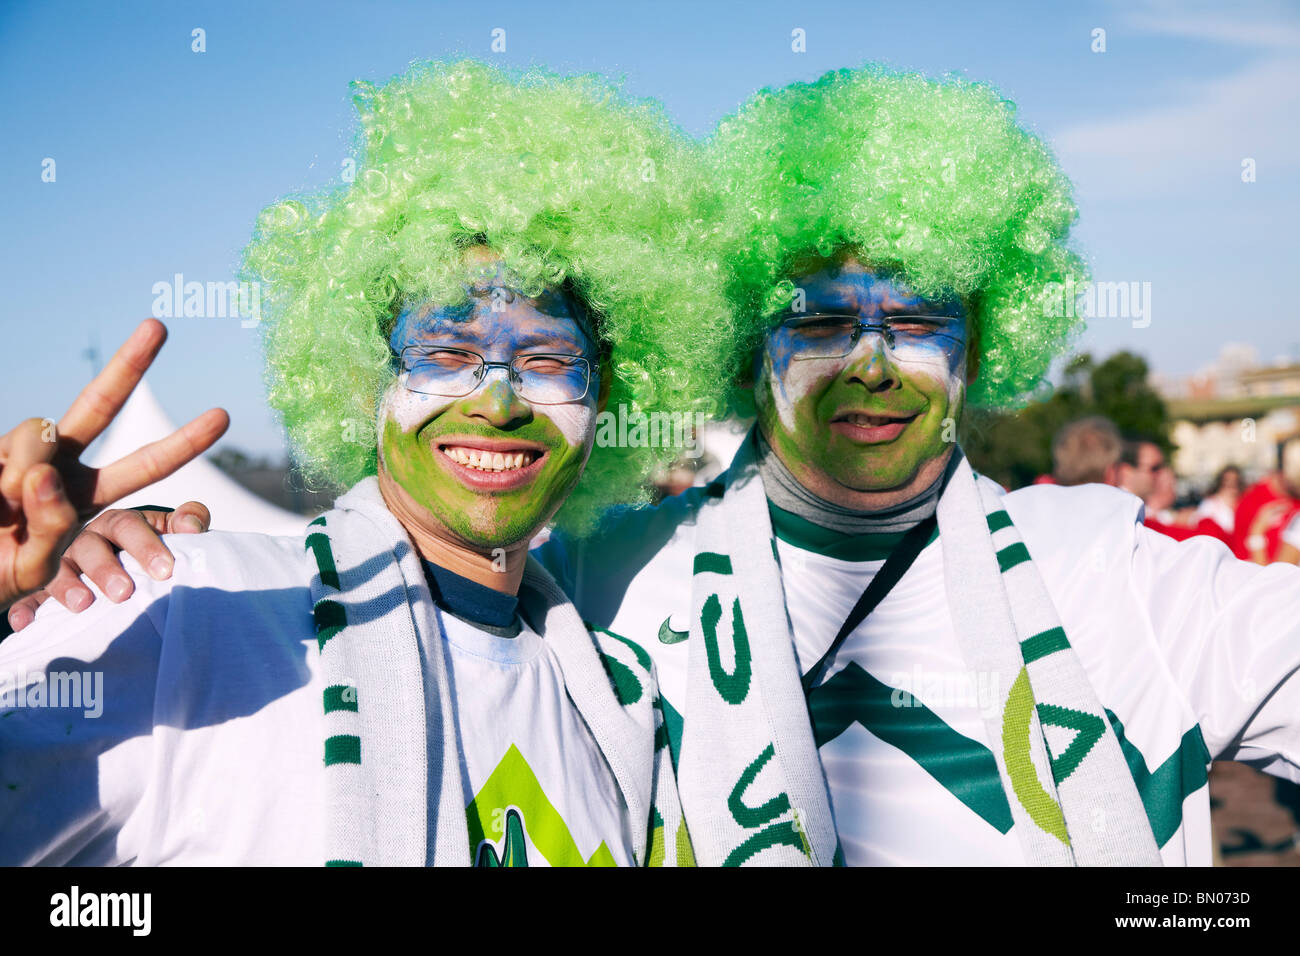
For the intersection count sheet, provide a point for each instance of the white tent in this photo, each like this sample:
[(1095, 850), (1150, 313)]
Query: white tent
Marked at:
[(234, 508)]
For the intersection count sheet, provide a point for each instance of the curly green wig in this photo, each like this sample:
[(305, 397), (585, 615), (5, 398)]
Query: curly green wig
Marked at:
[(570, 183), (932, 178)]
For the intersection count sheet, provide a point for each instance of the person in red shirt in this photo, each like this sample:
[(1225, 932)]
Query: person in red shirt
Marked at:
[(1266, 508), (1220, 502), (1161, 516)]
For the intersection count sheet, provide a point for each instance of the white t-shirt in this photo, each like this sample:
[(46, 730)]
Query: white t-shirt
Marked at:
[(206, 747), (1193, 653), (530, 766), (898, 699), (1214, 508)]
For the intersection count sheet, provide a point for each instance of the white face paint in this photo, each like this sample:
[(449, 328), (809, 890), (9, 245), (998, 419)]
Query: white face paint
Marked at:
[(576, 421), (785, 392), (498, 324), (409, 409), (802, 377)]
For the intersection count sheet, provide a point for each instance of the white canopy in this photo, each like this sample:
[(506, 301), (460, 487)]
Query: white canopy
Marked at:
[(234, 508)]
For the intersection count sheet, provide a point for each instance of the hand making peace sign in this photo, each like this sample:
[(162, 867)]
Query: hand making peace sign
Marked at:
[(46, 493)]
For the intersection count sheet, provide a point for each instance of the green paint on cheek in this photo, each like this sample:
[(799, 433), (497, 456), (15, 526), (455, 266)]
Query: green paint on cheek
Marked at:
[(811, 446), (482, 519)]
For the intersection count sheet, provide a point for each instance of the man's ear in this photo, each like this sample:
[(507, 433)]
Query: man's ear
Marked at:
[(606, 381), (971, 304), (972, 362), (747, 374)]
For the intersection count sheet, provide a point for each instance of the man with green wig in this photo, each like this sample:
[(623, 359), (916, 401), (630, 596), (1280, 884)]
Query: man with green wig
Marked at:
[(867, 653), (402, 684)]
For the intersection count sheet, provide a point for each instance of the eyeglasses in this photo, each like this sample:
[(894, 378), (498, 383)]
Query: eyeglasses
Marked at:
[(537, 378), (828, 336)]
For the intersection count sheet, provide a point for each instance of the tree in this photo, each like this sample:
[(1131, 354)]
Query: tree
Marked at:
[(1014, 448)]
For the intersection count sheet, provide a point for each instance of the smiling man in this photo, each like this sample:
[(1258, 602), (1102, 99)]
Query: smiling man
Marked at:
[(494, 419), (837, 443), (402, 684), (868, 653)]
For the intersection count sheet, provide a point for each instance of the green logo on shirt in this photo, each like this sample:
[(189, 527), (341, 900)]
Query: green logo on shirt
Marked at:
[(513, 805), (670, 635)]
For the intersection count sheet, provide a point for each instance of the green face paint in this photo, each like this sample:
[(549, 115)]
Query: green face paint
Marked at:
[(872, 419), (487, 466), (484, 518)]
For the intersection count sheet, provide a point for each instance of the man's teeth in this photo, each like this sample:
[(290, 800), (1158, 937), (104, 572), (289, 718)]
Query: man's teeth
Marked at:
[(488, 460)]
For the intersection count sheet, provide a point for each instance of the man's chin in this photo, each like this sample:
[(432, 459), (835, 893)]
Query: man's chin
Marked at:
[(487, 532), (868, 473)]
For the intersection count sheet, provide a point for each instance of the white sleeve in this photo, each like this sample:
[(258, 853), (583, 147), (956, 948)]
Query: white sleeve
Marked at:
[(77, 698), (1229, 631), (1291, 533)]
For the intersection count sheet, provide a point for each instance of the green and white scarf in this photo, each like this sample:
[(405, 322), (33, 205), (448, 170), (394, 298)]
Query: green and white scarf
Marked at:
[(750, 779), (395, 796)]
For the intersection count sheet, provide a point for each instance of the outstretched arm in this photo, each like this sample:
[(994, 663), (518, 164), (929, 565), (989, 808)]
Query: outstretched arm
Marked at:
[(1230, 634)]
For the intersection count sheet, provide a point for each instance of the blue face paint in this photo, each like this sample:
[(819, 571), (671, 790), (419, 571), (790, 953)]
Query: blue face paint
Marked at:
[(870, 417), (487, 465), (499, 324), (877, 299)]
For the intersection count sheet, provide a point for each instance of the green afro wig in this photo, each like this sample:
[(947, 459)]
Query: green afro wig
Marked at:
[(570, 183), (933, 178)]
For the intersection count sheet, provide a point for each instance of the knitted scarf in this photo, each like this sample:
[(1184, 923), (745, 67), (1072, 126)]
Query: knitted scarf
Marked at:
[(394, 791), (750, 779)]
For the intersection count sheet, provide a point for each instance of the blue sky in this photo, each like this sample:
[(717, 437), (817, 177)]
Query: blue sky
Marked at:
[(164, 156)]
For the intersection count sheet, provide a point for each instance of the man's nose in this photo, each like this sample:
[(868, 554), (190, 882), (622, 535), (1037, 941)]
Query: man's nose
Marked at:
[(495, 401), (872, 363)]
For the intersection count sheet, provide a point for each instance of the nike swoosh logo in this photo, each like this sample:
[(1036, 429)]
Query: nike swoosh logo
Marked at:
[(668, 635)]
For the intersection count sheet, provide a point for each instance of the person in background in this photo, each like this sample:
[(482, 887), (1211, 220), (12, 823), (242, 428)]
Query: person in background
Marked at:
[(1139, 460), (1086, 451), (1143, 471), (1162, 516), (1220, 503), (1290, 549), (1266, 509)]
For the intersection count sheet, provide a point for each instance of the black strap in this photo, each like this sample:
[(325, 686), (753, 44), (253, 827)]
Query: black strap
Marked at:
[(895, 567)]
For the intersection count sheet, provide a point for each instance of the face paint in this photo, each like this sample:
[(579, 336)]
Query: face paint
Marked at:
[(869, 420), (489, 466)]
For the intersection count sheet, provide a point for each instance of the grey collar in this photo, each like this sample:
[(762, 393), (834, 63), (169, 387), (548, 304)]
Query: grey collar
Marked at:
[(785, 492)]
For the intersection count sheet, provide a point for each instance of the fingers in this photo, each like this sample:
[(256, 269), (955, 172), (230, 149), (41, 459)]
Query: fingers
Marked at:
[(101, 400), (95, 554), (50, 520), (23, 612), (95, 551), (69, 590), (192, 517), (31, 443), (156, 461)]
